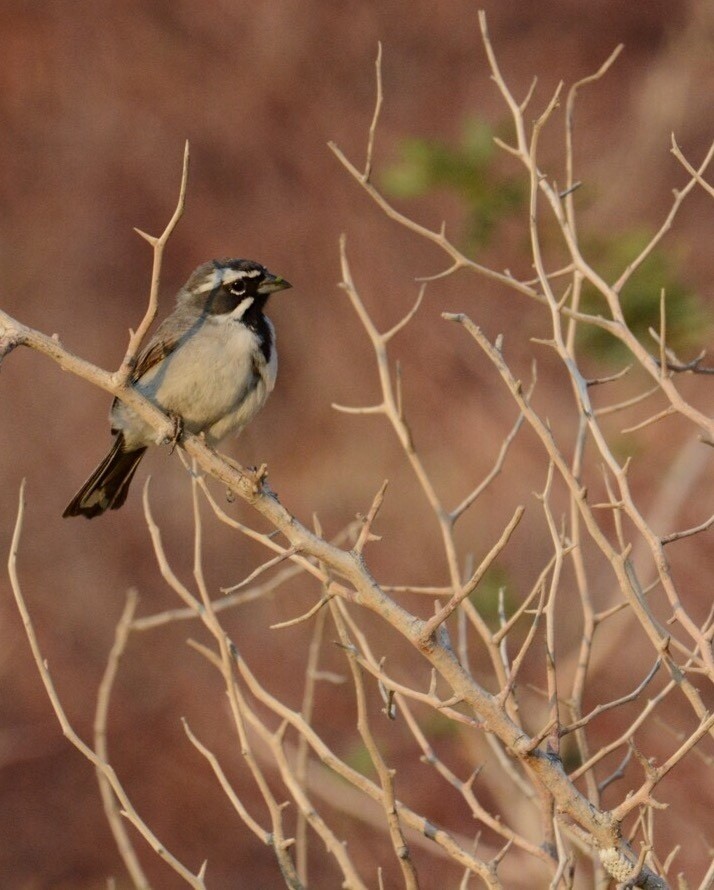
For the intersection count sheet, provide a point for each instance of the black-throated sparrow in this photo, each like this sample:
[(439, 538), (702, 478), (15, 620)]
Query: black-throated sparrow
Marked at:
[(211, 363)]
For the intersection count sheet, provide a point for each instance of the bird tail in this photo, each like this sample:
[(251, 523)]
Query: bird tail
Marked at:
[(108, 486)]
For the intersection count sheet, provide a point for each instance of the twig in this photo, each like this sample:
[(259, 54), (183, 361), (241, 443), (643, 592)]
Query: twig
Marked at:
[(375, 117), (655, 418), (460, 261), (688, 532), (624, 572), (371, 789), (468, 588), (459, 510), (627, 403), (656, 774), (426, 589), (273, 741), (231, 601), (291, 622), (569, 127), (228, 790), (164, 566), (679, 196), (385, 774), (195, 881), (303, 751), (429, 698), (517, 662), (366, 530), (550, 613), (617, 774), (465, 789), (611, 378), (402, 323), (109, 800), (695, 174), (276, 560), (158, 244), (625, 699), (624, 738), (708, 879)]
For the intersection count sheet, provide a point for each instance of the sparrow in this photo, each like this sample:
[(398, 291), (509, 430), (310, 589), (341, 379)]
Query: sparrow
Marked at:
[(211, 365)]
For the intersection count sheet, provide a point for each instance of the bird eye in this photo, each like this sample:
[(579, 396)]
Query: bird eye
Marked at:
[(237, 287)]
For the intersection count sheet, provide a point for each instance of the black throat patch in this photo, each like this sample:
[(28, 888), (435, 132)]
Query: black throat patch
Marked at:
[(257, 322), (223, 301)]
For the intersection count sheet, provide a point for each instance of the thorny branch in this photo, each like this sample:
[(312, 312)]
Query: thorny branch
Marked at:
[(485, 702)]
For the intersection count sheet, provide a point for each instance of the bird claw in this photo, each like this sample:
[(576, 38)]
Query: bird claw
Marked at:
[(259, 476), (173, 439)]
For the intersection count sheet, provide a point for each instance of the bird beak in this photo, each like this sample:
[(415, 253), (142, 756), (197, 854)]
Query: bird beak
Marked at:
[(273, 283)]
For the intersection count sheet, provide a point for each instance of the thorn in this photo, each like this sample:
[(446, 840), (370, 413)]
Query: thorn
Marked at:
[(150, 238)]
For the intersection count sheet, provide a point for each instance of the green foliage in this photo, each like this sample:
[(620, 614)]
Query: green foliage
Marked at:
[(486, 596), (438, 727), (360, 759), (468, 170), (686, 315)]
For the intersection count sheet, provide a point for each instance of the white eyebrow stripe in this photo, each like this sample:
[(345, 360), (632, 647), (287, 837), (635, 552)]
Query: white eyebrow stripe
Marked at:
[(226, 276), (211, 282), (230, 275)]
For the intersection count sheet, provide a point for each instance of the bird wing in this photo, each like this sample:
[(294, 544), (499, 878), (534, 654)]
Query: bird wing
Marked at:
[(151, 355), (161, 344)]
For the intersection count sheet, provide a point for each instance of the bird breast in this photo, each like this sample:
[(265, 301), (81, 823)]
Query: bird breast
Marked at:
[(216, 380)]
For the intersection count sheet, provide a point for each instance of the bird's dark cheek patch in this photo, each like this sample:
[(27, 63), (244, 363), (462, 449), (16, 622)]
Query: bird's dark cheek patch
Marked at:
[(222, 303)]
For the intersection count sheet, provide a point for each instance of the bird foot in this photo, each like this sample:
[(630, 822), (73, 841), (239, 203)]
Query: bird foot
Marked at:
[(259, 476), (173, 439)]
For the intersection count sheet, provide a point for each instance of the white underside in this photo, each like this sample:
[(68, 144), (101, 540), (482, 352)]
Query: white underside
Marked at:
[(216, 381)]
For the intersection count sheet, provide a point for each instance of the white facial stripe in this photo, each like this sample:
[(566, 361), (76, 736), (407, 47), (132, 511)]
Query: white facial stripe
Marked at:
[(240, 310), (211, 282), (226, 276), (231, 275)]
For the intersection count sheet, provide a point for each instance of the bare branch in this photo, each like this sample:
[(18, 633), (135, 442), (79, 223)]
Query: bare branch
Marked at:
[(437, 238), (459, 510), (313, 610), (679, 197), (128, 809), (386, 775), (642, 795), (400, 325), (687, 533), (301, 767), (474, 681), (365, 534), (600, 709), (468, 588), (627, 403), (347, 409), (695, 174), (667, 412), (269, 564), (375, 118), (228, 790), (158, 244), (109, 800)]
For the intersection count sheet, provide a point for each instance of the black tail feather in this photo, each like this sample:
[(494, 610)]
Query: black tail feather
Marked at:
[(108, 486)]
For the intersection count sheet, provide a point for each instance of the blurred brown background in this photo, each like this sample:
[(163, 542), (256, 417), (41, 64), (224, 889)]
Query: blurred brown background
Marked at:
[(97, 99)]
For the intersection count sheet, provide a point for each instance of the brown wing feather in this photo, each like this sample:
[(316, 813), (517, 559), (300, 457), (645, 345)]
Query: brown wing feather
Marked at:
[(155, 350), (160, 345)]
